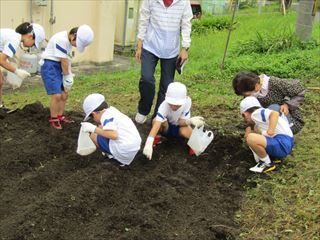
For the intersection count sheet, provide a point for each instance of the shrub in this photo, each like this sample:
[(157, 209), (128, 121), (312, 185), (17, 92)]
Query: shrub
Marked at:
[(279, 42), (210, 23)]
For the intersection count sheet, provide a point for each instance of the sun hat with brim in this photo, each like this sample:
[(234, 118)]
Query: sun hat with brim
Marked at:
[(176, 94), (91, 102), (39, 34), (84, 37), (249, 102)]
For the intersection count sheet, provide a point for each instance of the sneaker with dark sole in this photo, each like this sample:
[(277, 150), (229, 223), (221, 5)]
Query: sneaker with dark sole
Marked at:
[(263, 167), (6, 110), (277, 161), (140, 118)]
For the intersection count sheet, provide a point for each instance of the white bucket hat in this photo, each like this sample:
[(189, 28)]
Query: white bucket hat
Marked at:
[(91, 102), (84, 37), (39, 34), (176, 93), (249, 102)]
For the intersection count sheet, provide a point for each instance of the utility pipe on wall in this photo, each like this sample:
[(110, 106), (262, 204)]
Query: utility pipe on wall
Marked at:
[(52, 19), (124, 36), (30, 9)]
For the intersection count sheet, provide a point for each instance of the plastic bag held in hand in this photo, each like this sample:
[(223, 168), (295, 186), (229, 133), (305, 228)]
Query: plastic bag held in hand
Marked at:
[(195, 121), (22, 73), (14, 80), (85, 144), (88, 127), (148, 147), (67, 82)]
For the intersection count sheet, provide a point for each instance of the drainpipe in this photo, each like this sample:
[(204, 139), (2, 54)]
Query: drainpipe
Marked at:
[(52, 19), (30, 9), (137, 26), (124, 36)]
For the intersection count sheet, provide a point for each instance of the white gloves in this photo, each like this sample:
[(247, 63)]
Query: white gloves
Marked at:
[(148, 147), (88, 127), (67, 82), (22, 73), (195, 121)]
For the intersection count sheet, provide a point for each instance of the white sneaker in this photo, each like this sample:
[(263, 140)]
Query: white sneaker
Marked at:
[(262, 167), (106, 154), (140, 118)]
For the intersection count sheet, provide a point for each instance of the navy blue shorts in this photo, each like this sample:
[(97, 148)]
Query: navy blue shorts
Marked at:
[(173, 131), (279, 146), (104, 144), (51, 73)]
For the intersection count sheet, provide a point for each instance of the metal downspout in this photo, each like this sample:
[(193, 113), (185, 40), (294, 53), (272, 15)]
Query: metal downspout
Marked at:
[(52, 19), (30, 9), (137, 27), (124, 36)]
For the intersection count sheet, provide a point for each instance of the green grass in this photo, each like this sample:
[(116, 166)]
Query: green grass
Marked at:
[(286, 204)]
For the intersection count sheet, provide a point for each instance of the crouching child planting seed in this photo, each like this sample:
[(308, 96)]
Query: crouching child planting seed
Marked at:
[(271, 137), (116, 135), (173, 118)]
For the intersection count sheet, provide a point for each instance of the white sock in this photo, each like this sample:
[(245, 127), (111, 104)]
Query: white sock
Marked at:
[(256, 157), (266, 159)]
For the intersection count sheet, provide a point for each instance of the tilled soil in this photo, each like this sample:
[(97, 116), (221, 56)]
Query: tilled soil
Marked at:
[(47, 191)]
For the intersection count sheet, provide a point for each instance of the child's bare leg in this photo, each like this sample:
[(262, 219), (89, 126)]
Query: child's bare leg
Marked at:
[(185, 131), (62, 104), (93, 137), (258, 144), (55, 105)]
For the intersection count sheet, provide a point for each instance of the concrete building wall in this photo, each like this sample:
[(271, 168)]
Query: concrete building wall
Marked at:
[(127, 22), (99, 14)]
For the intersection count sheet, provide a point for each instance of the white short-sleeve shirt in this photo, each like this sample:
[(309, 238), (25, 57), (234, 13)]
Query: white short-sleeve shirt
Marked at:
[(126, 146), (165, 113), (261, 119), (58, 47), (9, 41)]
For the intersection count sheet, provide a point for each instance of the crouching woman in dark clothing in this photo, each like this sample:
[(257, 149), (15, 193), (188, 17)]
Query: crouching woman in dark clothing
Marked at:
[(282, 95)]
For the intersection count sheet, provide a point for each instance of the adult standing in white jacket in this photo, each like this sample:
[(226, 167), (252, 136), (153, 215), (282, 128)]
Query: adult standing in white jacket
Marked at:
[(161, 24)]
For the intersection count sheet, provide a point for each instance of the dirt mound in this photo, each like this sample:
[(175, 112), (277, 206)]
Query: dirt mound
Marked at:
[(47, 191)]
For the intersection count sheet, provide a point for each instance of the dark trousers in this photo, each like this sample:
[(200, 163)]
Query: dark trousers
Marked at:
[(147, 81)]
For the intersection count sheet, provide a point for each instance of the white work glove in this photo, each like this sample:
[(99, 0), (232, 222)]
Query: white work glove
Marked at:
[(88, 127), (67, 82), (195, 121), (148, 147), (22, 73)]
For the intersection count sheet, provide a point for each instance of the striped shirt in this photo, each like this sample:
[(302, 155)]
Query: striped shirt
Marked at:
[(160, 27)]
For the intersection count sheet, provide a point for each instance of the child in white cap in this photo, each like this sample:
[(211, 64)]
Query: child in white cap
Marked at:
[(116, 135), (29, 34), (173, 117), (56, 69), (271, 137)]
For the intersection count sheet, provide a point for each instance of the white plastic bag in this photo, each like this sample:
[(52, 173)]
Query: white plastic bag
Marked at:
[(85, 145), (199, 140), (13, 80)]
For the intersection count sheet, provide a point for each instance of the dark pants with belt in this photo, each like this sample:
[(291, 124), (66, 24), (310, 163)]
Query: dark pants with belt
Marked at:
[(147, 81)]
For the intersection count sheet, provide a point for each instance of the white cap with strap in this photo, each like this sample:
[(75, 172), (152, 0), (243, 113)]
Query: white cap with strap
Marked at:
[(249, 102), (39, 34), (176, 93), (91, 102), (85, 36)]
